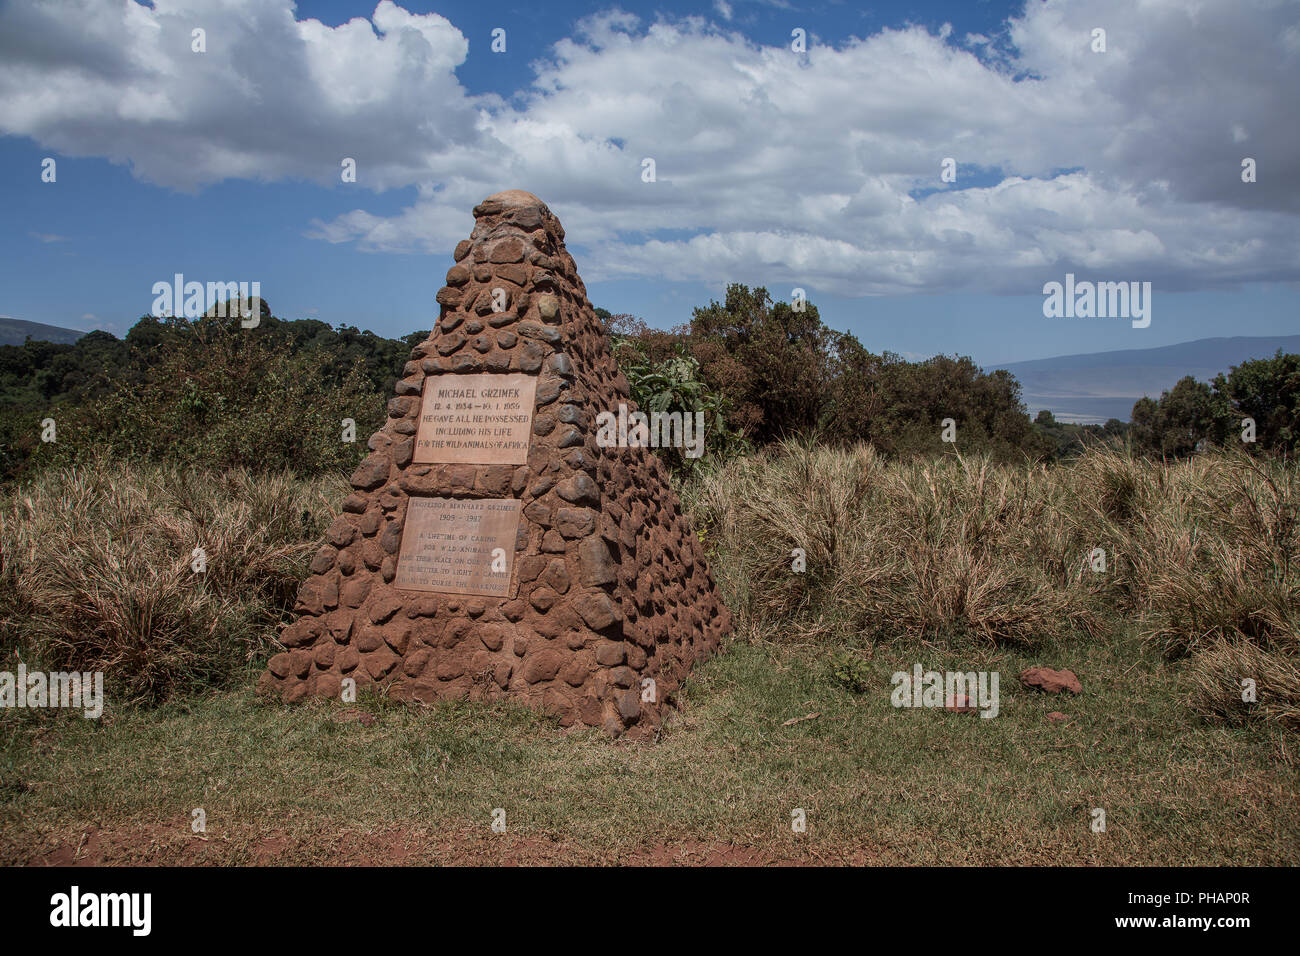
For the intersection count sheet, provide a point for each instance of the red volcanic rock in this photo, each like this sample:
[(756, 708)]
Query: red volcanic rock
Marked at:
[(1044, 678)]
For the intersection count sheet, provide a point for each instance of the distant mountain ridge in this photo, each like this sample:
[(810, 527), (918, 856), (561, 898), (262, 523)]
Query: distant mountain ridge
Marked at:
[(17, 331), (1092, 387)]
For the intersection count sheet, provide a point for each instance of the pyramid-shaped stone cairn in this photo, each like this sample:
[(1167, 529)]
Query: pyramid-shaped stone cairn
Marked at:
[(491, 546)]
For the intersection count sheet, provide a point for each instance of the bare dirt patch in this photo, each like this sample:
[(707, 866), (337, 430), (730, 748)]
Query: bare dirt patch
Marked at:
[(171, 844)]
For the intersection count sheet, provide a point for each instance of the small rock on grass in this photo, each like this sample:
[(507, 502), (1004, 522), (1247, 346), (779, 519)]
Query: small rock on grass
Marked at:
[(1053, 682), (352, 714)]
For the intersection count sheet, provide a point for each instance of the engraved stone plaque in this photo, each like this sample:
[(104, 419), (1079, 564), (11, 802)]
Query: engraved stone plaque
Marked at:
[(476, 419), (448, 545)]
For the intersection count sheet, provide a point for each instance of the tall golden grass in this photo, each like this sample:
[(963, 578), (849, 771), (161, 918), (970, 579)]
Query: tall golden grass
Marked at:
[(96, 570), (1202, 556), (910, 550)]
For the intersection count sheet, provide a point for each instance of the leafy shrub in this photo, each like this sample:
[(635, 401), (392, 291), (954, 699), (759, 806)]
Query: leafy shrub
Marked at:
[(782, 373), (217, 396), (771, 360), (207, 392), (1193, 414), (851, 672), (673, 385)]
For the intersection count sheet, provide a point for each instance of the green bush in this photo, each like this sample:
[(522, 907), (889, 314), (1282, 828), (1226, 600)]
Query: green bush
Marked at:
[(205, 392), (214, 395), (1193, 414), (851, 672), (673, 384)]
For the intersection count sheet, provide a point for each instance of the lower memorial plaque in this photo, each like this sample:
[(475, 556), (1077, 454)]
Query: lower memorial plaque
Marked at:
[(459, 546)]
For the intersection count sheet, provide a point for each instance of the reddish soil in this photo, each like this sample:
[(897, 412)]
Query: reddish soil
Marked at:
[(172, 844)]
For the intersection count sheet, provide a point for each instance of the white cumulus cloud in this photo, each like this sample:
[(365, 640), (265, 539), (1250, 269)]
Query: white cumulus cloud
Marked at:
[(821, 170)]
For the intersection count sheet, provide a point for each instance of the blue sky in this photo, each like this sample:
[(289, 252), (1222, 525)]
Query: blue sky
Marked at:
[(818, 169)]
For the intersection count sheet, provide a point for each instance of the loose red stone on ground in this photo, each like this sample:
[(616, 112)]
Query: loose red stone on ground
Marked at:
[(1044, 678)]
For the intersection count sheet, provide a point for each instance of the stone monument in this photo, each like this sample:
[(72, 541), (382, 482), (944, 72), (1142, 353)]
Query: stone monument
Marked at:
[(492, 546)]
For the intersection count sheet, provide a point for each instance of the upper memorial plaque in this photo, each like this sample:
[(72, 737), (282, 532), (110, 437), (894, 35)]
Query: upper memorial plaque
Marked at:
[(476, 419)]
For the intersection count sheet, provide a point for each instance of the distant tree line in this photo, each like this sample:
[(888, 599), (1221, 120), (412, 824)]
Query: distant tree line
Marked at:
[(780, 372), (209, 392), (202, 391), (1255, 406)]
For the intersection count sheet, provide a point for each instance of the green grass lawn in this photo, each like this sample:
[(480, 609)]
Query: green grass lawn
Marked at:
[(322, 782)]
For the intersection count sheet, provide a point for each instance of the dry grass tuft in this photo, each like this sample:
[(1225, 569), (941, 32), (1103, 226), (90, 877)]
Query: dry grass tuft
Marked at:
[(1204, 554), (1218, 673), (95, 570), (1203, 557), (912, 549)]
